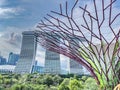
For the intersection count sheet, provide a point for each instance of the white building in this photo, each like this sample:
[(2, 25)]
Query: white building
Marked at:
[(74, 66), (52, 63), (7, 68), (27, 54)]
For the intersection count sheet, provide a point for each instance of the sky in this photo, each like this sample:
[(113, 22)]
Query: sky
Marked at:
[(17, 16)]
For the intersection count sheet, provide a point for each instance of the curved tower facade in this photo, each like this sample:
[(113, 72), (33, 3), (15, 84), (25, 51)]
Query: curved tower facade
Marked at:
[(52, 63), (27, 54)]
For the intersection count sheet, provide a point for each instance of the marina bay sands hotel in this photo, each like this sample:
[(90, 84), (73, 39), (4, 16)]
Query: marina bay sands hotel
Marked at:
[(52, 60)]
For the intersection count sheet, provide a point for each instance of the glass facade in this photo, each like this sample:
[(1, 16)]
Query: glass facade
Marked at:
[(7, 68), (52, 62), (28, 53), (13, 58), (38, 69), (75, 67), (2, 60)]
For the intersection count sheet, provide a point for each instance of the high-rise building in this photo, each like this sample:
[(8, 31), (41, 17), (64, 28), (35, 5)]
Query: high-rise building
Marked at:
[(38, 69), (2, 60), (27, 54), (74, 66), (52, 62), (13, 58), (36, 62)]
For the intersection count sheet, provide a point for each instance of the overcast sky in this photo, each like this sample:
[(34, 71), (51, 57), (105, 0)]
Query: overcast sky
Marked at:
[(21, 15)]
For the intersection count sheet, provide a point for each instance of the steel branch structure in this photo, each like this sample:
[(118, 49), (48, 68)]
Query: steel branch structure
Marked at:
[(97, 50)]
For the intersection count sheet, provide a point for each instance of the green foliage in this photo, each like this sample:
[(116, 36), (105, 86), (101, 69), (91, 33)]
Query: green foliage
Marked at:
[(15, 87), (7, 81), (46, 82), (17, 76), (90, 84), (28, 87), (117, 68), (64, 85), (57, 79), (52, 88), (2, 88), (1, 77), (84, 78), (75, 85)]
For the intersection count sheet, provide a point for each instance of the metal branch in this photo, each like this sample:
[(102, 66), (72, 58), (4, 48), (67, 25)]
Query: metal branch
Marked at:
[(86, 51)]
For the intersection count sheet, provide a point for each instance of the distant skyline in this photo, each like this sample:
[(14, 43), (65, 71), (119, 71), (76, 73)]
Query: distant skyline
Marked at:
[(23, 15)]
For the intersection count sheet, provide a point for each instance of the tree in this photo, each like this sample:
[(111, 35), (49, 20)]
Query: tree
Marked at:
[(15, 87), (90, 84), (57, 80), (97, 51), (17, 76), (75, 85), (64, 85), (48, 80)]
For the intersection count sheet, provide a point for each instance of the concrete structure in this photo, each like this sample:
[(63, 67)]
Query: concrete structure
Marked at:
[(28, 53), (13, 58)]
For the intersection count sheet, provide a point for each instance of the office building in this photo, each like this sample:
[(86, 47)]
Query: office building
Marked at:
[(27, 54), (52, 62), (38, 69), (74, 66), (13, 58), (36, 62), (2, 60)]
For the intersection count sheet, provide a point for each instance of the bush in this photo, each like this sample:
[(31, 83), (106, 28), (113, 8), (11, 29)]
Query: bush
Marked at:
[(15, 87), (75, 85), (48, 80), (2, 88), (90, 84), (64, 85), (57, 80)]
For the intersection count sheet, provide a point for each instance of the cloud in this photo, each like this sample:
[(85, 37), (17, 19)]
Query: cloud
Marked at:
[(10, 40), (15, 39), (6, 13), (6, 48), (10, 43)]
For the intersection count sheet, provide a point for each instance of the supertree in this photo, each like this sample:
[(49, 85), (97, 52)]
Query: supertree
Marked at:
[(97, 33)]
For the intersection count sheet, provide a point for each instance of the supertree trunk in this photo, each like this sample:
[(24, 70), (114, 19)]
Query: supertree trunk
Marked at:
[(98, 35)]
